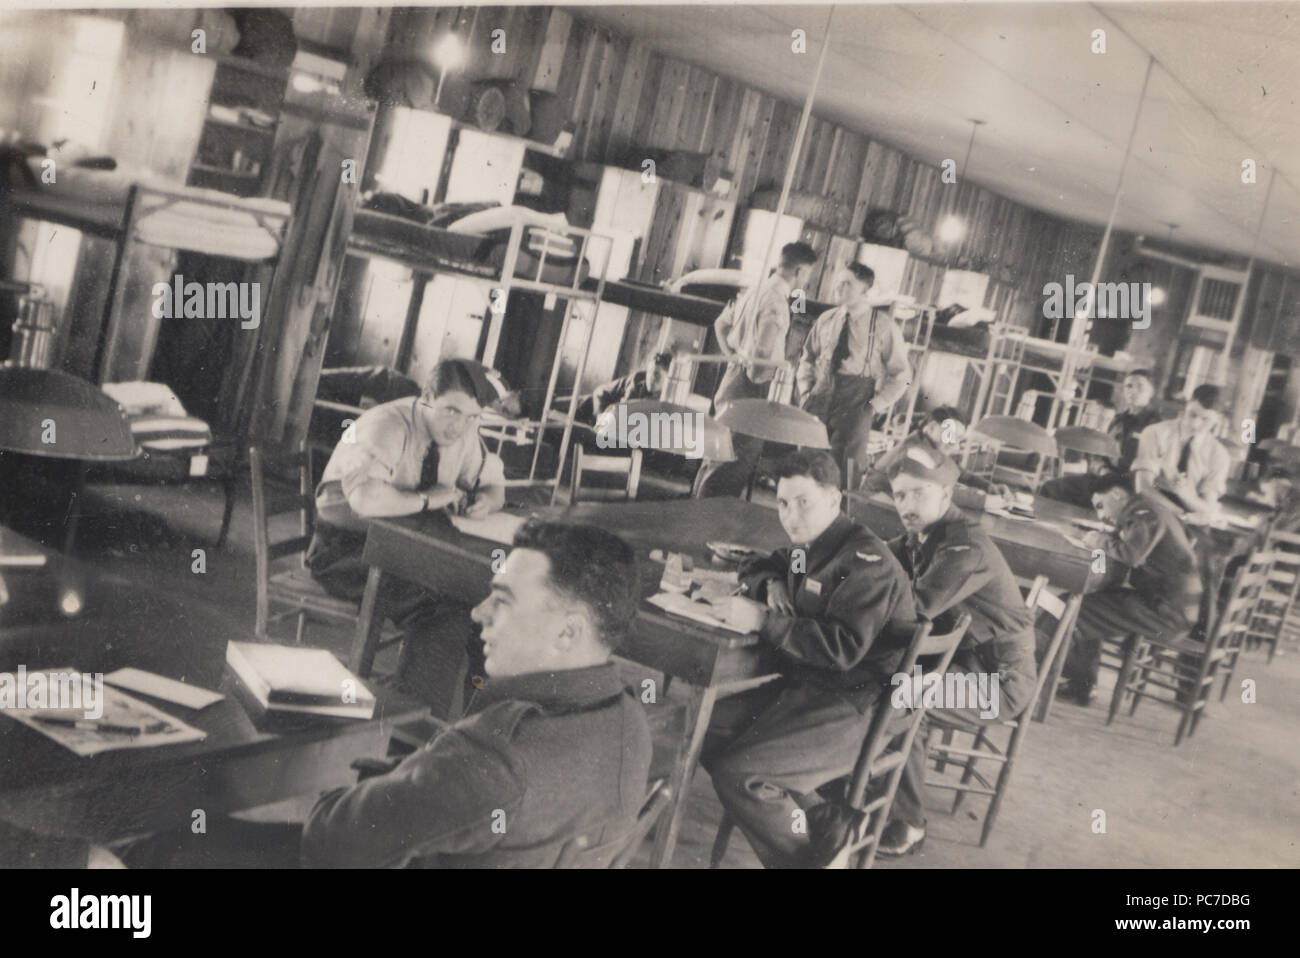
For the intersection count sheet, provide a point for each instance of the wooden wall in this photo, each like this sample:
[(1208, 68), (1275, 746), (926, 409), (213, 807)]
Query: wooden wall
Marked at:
[(617, 95)]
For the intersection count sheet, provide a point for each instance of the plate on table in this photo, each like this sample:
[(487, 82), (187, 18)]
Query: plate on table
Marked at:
[(731, 551)]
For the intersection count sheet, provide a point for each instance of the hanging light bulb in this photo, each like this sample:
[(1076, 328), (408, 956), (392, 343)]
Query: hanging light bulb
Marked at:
[(448, 53), (952, 229)]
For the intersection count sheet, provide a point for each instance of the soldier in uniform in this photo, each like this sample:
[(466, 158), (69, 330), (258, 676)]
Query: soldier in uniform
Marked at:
[(752, 331), (954, 568), (837, 608), (1163, 597)]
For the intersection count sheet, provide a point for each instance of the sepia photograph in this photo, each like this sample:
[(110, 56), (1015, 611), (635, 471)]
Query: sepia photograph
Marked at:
[(646, 436)]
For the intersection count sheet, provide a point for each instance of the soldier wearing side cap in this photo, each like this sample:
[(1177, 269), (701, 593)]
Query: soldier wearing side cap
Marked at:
[(954, 568), (837, 609), (1163, 597)]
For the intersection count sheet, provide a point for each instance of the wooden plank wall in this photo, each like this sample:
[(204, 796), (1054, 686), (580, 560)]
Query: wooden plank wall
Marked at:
[(619, 94)]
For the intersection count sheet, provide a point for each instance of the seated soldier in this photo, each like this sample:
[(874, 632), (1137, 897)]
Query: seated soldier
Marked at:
[(837, 608), (645, 383), (954, 568), (942, 432), (553, 747), (1183, 458), (1140, 410), (1163, 596), (404, 457)]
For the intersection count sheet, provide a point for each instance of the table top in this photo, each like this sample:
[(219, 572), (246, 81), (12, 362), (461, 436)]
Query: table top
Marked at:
[(48, 787)]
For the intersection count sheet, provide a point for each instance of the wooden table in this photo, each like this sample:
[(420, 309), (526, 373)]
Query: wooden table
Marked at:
[(430, 552), (241, 764)]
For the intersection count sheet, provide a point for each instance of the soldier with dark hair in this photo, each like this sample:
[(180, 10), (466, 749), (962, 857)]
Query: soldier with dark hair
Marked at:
[(837, 608)]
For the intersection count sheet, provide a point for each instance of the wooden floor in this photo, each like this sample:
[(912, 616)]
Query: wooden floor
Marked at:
[(1226, 798)]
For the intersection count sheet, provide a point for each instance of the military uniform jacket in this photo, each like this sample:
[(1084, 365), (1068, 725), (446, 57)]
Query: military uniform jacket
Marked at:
[(1150, 539), (542, 760), (957, 569), (854, 611)]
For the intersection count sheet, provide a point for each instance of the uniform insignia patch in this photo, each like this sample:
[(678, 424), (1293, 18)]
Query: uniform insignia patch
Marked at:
[(868, 557), (813, 586), (956, 548)]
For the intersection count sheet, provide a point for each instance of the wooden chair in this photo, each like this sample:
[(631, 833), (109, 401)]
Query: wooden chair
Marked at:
[(1277, 596), (983, 748), (878, 760), (292, 587), (1183, 666), (585, 462), (619, 851)]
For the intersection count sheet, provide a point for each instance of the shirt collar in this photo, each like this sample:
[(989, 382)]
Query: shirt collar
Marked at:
[(569, 690), (780, 284)]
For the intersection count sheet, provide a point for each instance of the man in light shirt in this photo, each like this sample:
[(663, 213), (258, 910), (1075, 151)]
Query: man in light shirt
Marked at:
[(853, 365), (752, 331), (1183, 457)]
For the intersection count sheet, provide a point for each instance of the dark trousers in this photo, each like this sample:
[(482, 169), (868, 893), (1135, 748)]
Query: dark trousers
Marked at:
[(1114, 613), (846, 410), (769, 750), (732, 478)]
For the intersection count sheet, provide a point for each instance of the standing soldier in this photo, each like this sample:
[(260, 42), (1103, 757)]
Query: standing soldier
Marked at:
[(752, 331), (853, 365)]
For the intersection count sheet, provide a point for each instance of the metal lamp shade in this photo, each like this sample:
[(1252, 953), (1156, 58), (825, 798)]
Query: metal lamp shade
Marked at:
[(1091, 442), (85, 423), (774, 422), (1018, 433), (707, 437)]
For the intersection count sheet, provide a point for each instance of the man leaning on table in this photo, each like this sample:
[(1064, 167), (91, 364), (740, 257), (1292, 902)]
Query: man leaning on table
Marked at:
[(554, 753), (1163, 597), (838, 610), (955, 567), (410, 456), (1182, 456)]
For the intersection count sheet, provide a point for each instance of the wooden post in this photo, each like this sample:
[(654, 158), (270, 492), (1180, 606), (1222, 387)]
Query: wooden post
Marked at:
[(798, 145)]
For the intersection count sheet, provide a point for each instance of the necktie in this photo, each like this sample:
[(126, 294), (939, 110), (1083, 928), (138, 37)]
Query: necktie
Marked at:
[(841, 351), (1185, 458), (914, 554), (429, 468)]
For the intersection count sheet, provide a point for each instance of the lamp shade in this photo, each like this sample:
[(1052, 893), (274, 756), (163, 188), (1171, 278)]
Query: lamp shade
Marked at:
[(1091, 442), (774, 422), (1019, 433), (44, 412), (667, 427)]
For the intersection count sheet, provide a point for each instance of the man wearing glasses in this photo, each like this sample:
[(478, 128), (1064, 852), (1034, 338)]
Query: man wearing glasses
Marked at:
[(402, 458)]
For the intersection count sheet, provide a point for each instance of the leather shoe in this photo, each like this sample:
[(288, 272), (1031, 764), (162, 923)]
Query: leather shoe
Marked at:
[(900, 838)]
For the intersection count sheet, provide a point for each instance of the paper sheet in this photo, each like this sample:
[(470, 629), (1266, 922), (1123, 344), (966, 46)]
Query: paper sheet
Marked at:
[(119, 709), (161, 687), (678, 604), (497, 526)]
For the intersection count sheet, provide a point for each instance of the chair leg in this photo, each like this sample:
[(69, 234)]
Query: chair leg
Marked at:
[(1121, 681), (968, 770), (1138, 690), (228, 508), (302, 628), (942, 760), (995, 803), (721, 840), (1230, 661)]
